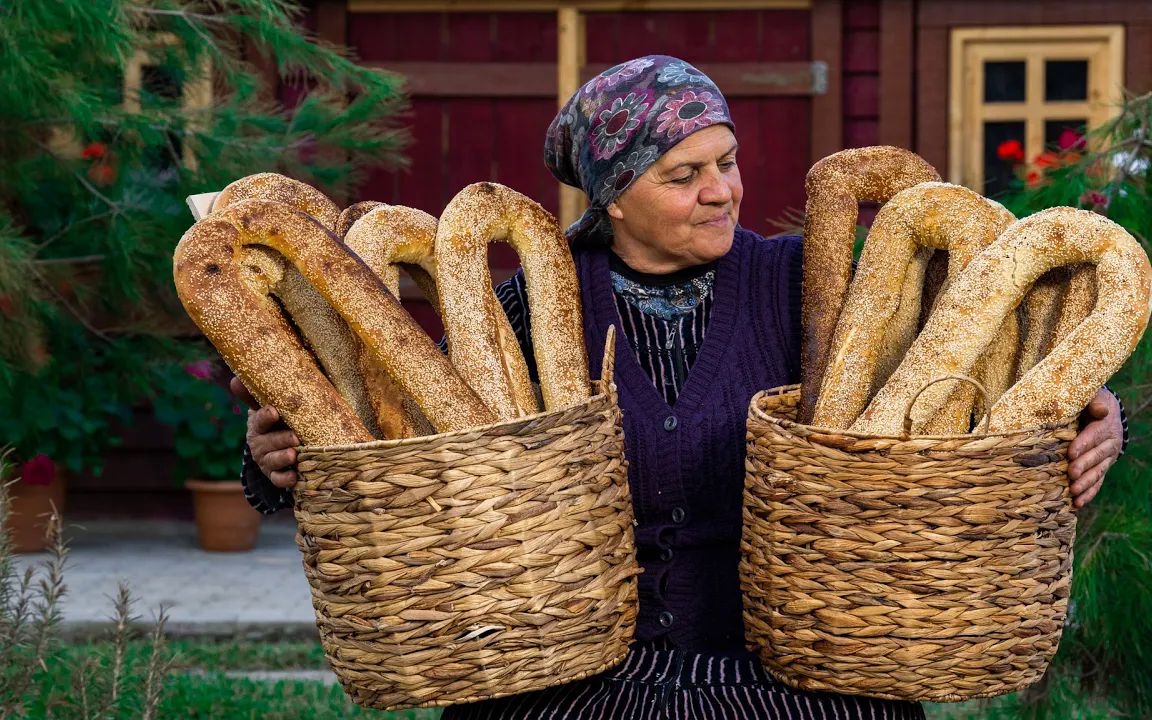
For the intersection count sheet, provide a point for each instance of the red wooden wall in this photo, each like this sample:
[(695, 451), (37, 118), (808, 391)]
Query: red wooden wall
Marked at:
[(459, 140)]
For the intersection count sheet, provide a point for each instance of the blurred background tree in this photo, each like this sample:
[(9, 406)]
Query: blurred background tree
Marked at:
[(112, 113)]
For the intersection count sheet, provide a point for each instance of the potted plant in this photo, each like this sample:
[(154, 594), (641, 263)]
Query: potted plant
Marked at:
[(208, 429), (35, 492)]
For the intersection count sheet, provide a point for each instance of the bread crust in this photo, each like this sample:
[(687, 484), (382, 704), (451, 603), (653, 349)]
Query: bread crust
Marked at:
[(486, 212), (994, 283), (884, 300), (323, 332), (263, 351), (836, 185)]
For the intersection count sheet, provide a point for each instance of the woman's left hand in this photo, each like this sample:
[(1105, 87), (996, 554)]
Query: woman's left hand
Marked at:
[(1095, 447)]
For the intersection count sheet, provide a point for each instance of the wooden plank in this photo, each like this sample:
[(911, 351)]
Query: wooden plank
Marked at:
[(827, 109), (571, 53), (785, 36), (541, 79), (373, 36), (469, 37), (780, 182), (752, 160), (862, 51), (602, 46), (332, 21), (1138, 60), (932, 97), (470, 150), (461, 6), (1033, 12), (519, 159), (861, 132), (862, 15), (862, 96), (896, 71), (421, 185), (737, 36), (525, 37)]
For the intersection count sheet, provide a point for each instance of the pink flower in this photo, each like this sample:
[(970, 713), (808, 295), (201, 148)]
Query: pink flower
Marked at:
[(1094, 200), (688, 112), (1070, 139), (40, 470), (201, 369)]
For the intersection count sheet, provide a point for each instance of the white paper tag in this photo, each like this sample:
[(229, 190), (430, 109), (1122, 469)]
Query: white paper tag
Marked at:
[(201, 204)]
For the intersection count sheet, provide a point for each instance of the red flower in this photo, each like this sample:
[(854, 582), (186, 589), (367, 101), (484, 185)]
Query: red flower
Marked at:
[(1070, 139), (1047, 159), (40, 470), (1010, 151), (94, 151), (1033, 179), (102, 173), (201, 369)]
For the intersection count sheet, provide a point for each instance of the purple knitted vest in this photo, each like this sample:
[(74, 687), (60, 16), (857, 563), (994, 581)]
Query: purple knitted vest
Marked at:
[(686, 462)]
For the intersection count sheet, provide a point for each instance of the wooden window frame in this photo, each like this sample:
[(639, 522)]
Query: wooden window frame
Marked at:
[(196, 95), (1102, 45)]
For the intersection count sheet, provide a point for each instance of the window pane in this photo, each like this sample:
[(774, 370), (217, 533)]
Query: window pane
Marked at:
[(1001, 155), (159, 83), (1004, 81), (1066, 80), (1063, 134)]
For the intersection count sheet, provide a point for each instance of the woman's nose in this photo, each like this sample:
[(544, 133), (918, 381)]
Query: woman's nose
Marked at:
[(715, 190)]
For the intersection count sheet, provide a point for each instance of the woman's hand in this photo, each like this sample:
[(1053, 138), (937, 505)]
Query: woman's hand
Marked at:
[(1095, 448), (273, 445)]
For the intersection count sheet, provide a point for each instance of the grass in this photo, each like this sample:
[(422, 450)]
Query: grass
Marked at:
[(196, 685)]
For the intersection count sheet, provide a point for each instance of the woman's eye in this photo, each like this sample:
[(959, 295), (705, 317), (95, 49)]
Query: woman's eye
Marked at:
[(683, 179), (728, 164)]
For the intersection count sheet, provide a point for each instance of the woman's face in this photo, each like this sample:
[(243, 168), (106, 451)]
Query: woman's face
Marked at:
[(682, 211)]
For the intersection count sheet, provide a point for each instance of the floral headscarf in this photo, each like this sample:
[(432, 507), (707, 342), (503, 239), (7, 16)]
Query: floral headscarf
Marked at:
[(621, 122)]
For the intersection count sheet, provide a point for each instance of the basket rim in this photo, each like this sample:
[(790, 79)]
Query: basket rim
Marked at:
[(598, 398), (754, 409)]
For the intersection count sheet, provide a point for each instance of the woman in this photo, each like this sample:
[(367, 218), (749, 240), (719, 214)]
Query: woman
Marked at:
[(710, 315)]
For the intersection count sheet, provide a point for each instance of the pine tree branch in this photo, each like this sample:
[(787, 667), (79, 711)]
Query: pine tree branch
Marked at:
[(67, 229)]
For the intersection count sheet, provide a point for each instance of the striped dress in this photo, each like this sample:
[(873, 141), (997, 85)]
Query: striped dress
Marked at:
[(665, 319)]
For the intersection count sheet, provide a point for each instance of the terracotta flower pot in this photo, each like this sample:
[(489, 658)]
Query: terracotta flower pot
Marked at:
[(31, 509), (225, 522)]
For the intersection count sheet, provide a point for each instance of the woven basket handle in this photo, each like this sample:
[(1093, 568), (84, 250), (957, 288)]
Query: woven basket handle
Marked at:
[(608, 366), (963, 378)]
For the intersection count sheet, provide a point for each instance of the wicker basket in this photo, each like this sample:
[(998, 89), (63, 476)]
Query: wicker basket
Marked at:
[(476, 564), (916, 568)]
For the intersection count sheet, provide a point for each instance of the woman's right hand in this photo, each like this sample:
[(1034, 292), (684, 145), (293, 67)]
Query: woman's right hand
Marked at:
[(272, 443)]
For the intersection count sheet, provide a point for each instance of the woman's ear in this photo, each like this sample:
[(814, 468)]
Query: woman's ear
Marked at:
[(615, 212)]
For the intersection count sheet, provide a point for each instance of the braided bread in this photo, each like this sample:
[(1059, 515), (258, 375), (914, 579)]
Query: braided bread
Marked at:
[(994, 283), (479, 214), (836, 186), (258, 344), (929, 215)]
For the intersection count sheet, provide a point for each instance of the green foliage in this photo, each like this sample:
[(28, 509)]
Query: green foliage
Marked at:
[(216, 696), (38, 678), (95, 177), (208, 425), (1102, 667)]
